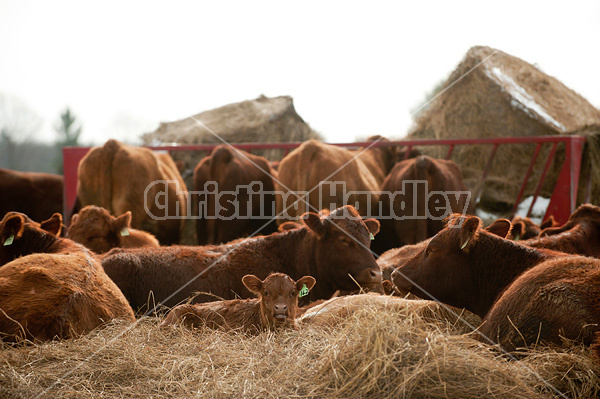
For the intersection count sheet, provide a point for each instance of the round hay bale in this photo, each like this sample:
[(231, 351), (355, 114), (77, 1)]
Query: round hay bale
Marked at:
[(494, 94)]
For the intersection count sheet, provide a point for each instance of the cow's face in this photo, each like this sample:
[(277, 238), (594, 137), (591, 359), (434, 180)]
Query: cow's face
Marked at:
[(442, 270), (343, 249), (278, 295), (97, 229), (20, 236)]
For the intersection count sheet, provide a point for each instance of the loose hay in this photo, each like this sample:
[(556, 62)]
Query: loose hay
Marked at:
[(371, 354)]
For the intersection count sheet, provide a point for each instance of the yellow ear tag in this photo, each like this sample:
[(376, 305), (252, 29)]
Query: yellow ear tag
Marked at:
[(124, 232), (9, 240), (303, 291), (372, 237)]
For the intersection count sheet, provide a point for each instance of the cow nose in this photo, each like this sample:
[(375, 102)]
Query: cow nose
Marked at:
[(375, 275), (280, 308)]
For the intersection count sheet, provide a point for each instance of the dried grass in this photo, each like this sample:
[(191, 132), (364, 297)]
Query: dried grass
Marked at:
[(370, 354)]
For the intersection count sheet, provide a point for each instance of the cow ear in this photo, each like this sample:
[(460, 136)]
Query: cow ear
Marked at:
[(123, 223), (468, 232), (314, 222), (53, 225), (308, 281), (74, 218), (500, 227), (285, 226), (253, 283), (12, 228), (548, 223), (373, 225), (517, 231)]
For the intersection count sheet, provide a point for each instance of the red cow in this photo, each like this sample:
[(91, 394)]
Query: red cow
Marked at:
[(524, 228), (466, 266), (425, 191), (554, 300), (314, 162), (95, 228), (38, 195), (232, 169), (50, 286), (334, 250), (121, 178), (397, 257), (275, 307), (580, 235)]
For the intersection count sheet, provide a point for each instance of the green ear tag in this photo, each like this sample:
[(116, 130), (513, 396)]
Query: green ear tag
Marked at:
[(372, 236), (124, 232), (303, 291), (9, 240)]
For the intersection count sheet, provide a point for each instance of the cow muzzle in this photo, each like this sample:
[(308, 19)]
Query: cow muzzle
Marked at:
[(280, 313), (401, 284), (369, 277)]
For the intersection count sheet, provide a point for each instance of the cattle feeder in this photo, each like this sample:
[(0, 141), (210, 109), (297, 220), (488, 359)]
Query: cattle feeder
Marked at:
[(562, 203)]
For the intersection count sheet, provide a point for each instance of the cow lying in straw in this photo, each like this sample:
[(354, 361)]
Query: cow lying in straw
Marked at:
[(276, 306), (51, 286)]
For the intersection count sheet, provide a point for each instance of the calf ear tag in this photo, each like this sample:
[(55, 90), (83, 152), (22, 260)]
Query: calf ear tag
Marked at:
[(303, 291), (124, 232), (10, 240), (372, 236)]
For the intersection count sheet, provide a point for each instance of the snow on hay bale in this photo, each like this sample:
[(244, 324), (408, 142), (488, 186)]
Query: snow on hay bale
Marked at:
[(263, 120), (494, 94)]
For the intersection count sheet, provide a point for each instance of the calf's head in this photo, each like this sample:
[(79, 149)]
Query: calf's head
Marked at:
[(97, 229), (20, 236), (278, 296), (342, 250)]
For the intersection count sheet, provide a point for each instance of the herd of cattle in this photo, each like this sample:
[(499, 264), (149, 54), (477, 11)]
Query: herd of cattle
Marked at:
[(524, 283)]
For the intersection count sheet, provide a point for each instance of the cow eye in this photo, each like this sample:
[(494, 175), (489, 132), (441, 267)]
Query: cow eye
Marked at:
[(344, 240), (266, 293)]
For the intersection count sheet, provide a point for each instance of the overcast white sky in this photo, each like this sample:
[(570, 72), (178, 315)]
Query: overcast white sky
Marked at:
[(353, 69)]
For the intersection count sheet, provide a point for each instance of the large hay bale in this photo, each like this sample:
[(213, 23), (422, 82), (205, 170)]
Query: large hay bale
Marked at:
[(263, 120), (493, 94)]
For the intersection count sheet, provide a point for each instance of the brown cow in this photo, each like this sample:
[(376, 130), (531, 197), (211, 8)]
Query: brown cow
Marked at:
[(523, 228), (467, 266), (275, 307), (231, 170), (422, 192), (51, 286), (580, 235), (397, 257), (334, 250), (313, 162), (554, 300), (38, 195), (122, 178), (95, 228)]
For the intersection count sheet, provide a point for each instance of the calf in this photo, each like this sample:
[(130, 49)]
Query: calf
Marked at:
[(580, 235), (334, 250), (466, 266), (276, 306), (51, 286), (98, 230), (554, 300)]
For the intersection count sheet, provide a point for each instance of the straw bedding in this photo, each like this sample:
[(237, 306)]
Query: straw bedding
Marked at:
[(373, 352)]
